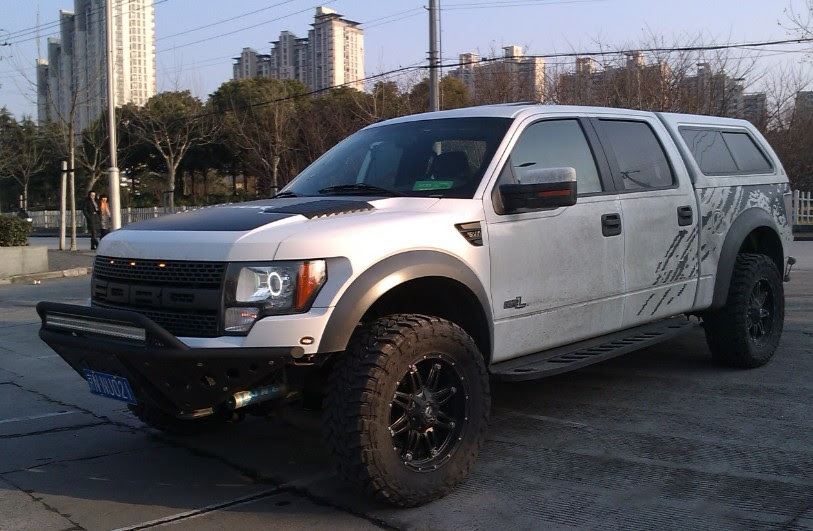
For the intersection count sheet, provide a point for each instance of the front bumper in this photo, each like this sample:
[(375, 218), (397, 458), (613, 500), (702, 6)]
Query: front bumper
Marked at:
[(163, 371)]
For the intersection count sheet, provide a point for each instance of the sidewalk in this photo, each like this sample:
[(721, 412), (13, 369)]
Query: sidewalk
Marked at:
[(60, 264)]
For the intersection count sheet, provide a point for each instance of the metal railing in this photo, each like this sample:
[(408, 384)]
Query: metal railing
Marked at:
[(802, 204), (49, 219)]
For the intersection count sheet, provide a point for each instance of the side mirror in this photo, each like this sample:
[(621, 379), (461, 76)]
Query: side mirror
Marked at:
[(540, 189)]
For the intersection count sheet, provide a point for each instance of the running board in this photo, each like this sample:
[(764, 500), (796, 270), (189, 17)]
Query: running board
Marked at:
[(582, 354)]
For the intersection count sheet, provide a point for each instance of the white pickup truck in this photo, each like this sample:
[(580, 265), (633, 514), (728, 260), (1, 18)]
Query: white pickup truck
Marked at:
[(421, 257)]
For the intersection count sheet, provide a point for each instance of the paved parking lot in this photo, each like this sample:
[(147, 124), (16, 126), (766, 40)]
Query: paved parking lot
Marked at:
[(661, 438)]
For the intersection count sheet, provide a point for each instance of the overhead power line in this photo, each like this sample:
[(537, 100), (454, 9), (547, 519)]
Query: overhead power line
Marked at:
[(54, 23), (155, 3)]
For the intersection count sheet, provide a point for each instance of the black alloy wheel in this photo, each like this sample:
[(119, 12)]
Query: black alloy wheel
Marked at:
[(428, 412), (759, 318)]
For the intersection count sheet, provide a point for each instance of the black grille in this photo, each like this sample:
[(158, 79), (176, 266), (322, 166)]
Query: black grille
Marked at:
[(176, 273), (181, 297), (185, 324)]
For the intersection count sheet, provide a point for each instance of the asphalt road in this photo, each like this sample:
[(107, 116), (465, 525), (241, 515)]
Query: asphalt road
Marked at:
[(660, 438)]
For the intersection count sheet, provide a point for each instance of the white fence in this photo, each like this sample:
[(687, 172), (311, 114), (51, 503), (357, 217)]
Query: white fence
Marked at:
[(49, 219), (802, 208)]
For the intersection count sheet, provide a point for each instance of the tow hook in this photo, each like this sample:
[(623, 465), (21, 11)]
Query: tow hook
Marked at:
[(791, 262)]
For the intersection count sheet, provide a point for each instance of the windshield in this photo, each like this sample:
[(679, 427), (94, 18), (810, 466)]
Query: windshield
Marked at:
[(428, 158)]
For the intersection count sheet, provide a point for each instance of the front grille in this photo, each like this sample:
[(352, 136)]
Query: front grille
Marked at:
[(181, 297), (187, 324), (176, 273)]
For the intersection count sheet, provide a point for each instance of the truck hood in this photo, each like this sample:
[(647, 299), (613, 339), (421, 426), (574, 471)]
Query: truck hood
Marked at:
[(256, 230)]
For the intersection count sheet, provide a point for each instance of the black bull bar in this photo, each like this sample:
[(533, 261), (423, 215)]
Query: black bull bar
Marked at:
[(163, 371)]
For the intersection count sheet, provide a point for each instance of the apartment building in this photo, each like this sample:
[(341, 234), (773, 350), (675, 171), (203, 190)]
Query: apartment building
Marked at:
[(513, 77), (74, 74), (331, 55)]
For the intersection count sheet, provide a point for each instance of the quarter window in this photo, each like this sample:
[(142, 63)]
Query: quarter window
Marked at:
[(746, 154), (725, 152), (709, 151), (642, 162)]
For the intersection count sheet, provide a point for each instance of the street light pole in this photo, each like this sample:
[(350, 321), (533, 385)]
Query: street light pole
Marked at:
[(434, 83), (113, 170)]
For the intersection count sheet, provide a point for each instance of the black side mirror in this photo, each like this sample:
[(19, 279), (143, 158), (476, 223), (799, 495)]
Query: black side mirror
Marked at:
[(540, 189)]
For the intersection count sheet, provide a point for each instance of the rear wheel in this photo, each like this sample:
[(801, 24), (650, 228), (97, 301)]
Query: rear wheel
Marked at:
[(407, 408), (746, 331)]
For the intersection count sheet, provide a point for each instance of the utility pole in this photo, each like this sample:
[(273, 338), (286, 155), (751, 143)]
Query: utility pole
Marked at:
[(113, 170), (434, 62), (63, 185)]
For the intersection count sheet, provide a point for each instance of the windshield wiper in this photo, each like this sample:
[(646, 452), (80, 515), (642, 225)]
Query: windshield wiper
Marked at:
[(286, 193), (358, 189)]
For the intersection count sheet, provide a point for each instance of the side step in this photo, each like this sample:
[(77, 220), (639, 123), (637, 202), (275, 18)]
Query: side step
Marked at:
[(582, 354)]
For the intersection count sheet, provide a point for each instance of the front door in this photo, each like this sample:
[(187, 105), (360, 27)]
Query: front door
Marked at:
[(557, 276)]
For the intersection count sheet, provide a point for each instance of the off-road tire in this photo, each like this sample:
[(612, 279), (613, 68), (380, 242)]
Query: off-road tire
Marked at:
[(736, 335), (155, 418), (361, 394)]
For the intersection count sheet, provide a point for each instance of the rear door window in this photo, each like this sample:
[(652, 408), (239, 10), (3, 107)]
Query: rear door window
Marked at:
[(642, 163)]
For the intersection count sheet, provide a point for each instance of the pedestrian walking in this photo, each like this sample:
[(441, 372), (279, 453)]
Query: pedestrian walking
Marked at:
[(91, 212), (104, 215)]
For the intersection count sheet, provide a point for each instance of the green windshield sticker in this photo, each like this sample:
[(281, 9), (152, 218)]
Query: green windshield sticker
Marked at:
[(432, 185)]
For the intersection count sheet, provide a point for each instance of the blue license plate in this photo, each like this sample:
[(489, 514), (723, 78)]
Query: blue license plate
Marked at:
[(109, 386)]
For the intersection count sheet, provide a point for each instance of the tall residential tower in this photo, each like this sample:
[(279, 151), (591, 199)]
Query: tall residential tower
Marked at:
[(74, 74), (331, 55)]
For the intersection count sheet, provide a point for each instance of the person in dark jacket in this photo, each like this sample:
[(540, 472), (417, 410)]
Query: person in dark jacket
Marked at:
[(91, 212)]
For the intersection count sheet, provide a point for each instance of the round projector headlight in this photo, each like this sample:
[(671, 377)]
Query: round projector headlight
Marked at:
[(272, 285)]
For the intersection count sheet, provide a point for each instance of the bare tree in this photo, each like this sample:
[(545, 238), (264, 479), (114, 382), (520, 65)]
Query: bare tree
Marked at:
[(172, 123), (29, 156), (260, 115), (93, 153)]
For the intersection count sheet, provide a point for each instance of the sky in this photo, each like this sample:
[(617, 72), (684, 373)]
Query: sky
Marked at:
[(196, 43)]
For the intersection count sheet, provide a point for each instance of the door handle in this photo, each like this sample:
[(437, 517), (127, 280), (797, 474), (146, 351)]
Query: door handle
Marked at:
[(611, 224), (685, 215)]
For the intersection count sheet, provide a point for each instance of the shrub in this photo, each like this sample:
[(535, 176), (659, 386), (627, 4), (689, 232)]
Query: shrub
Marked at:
[(14, 231)]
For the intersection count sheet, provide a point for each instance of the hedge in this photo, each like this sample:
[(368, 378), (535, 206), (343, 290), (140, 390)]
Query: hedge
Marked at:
[(14, 231)]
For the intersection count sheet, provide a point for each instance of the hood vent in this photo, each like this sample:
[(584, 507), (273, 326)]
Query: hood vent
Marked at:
[(321, 209)]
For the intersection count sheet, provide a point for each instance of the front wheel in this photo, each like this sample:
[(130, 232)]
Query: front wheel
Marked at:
[(407, 408), (746, 331)]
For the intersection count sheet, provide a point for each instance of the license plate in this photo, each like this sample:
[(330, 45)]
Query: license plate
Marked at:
[(109, 386)]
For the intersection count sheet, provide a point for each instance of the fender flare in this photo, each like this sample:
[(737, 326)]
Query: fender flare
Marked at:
[(388, 274), (746, 222)]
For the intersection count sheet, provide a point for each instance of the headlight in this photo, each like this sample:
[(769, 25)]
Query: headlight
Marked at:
[(254, 290)]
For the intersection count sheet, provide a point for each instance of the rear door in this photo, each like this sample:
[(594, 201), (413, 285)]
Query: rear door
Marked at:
[(661, 244)]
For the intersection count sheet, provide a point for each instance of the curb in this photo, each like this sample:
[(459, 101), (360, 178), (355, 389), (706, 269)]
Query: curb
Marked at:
[(35, 277)]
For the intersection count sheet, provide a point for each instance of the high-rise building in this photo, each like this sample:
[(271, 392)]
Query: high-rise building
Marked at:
[(755, 108), (251, 64), (513, 77), (74, 75), (627, 83), (331, 55), (803, 106)]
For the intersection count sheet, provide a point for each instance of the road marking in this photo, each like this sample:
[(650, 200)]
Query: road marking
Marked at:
[(204, 510), (35, 417)]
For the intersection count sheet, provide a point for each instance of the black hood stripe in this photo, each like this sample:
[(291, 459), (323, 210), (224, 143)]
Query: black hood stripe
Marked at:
[(247, 216)]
